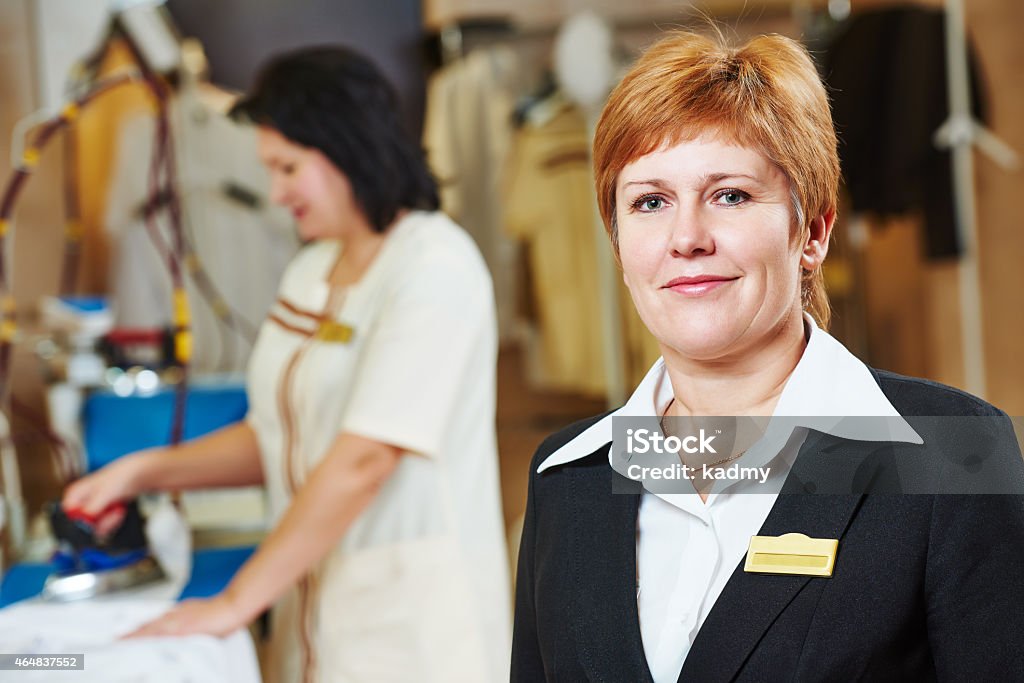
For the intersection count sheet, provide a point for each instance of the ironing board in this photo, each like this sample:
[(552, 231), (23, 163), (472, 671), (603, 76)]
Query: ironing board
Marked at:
[(91, 627)]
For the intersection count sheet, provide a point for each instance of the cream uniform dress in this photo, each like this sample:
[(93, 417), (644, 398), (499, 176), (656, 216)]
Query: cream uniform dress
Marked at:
[(418, 587)]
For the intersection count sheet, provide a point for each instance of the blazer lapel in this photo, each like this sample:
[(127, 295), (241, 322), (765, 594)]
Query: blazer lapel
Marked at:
[(605, 620), (750, 603)]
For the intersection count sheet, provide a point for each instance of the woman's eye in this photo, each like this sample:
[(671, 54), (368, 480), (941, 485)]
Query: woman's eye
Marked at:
[(732, 197), (649, 203), (288, 169)]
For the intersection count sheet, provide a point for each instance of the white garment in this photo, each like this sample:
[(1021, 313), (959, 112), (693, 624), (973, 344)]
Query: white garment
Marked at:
[(467, 131), (243, 249), (92, 628), (687, 549), (418, 587)]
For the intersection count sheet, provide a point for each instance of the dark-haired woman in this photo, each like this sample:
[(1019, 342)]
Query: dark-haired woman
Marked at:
[(371, 420)]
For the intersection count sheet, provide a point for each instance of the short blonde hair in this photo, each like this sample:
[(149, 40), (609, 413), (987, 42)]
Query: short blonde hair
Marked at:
[(765, 94)]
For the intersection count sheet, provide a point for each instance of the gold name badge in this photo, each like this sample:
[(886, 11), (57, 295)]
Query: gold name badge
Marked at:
[(334, 332), (791, 554)]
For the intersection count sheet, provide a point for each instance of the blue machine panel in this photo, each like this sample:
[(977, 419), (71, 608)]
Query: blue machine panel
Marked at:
[(117, 425)]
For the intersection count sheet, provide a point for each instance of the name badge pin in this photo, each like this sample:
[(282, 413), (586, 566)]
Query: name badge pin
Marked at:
[(334, 332), (791, 554)]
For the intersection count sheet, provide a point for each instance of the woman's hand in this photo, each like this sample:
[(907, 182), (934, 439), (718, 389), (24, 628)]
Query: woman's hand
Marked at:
[(217, 616), (93, 495)]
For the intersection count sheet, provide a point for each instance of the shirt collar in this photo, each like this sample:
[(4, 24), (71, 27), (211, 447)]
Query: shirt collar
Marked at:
[(809, 399)]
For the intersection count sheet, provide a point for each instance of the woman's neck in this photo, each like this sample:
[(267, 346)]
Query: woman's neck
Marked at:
[(358, 251), (747, 383)]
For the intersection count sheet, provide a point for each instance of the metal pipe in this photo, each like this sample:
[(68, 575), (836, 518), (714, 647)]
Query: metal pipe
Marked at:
[(960, 137)]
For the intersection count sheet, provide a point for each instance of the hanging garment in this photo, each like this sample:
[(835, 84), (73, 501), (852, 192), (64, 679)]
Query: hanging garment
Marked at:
[(550, 207), (467, 132), (886, 70), (242, 241)]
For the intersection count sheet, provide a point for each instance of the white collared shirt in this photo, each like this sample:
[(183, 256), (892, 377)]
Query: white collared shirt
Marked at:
[(687, 549)]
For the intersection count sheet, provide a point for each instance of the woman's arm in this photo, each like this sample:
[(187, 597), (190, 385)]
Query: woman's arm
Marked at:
[(973, 587), (338, 489), (227, 457)]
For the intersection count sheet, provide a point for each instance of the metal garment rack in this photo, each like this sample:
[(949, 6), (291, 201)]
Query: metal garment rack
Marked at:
[(961, 133)]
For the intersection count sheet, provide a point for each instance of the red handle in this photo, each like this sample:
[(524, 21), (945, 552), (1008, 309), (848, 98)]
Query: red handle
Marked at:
[(79, 514)]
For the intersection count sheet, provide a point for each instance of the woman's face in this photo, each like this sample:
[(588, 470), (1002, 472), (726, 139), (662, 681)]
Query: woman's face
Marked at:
[(709, 247), (304, 181)]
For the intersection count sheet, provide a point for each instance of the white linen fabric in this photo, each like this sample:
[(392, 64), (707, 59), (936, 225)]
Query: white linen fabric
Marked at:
[(92, 628)]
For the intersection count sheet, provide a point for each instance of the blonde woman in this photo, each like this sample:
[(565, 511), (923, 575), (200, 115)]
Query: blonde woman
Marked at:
[(717, 178)]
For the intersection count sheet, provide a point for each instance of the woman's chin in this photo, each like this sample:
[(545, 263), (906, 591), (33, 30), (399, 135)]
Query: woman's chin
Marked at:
[(308, 234), (703, 345)]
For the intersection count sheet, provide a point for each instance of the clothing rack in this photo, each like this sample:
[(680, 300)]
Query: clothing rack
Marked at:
[(438, 18), (454, 39), (960, 133)]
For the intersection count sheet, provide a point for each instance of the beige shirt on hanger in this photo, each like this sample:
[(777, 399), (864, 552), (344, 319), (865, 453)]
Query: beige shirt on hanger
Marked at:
[(549, 206)]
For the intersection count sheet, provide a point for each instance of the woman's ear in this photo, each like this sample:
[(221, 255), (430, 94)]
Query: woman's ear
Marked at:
[(816, 246)]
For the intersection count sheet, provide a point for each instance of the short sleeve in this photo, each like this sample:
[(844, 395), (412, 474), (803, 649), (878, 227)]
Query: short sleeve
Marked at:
[(425, 354)]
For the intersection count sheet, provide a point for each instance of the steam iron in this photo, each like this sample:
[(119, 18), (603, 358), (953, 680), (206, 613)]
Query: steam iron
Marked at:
[(88, 566)]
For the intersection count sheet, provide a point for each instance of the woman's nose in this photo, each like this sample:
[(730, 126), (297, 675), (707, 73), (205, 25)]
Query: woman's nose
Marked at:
[(692, 234), (278, 190)]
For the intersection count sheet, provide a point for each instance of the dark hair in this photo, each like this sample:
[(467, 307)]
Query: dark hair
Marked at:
[(335, 100)]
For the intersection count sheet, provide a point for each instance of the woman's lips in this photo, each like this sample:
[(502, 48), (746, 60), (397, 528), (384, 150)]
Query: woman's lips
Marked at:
[(698, 285), (298, 213)]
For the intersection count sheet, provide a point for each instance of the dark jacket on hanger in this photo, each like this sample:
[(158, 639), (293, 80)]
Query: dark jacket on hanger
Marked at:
[(886, 70), (925, 587)]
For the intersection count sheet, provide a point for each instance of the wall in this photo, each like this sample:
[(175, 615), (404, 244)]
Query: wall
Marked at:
[(238, 35)]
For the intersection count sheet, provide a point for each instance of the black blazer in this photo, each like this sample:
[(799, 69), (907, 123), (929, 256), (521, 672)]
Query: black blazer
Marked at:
[(925, 587)]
